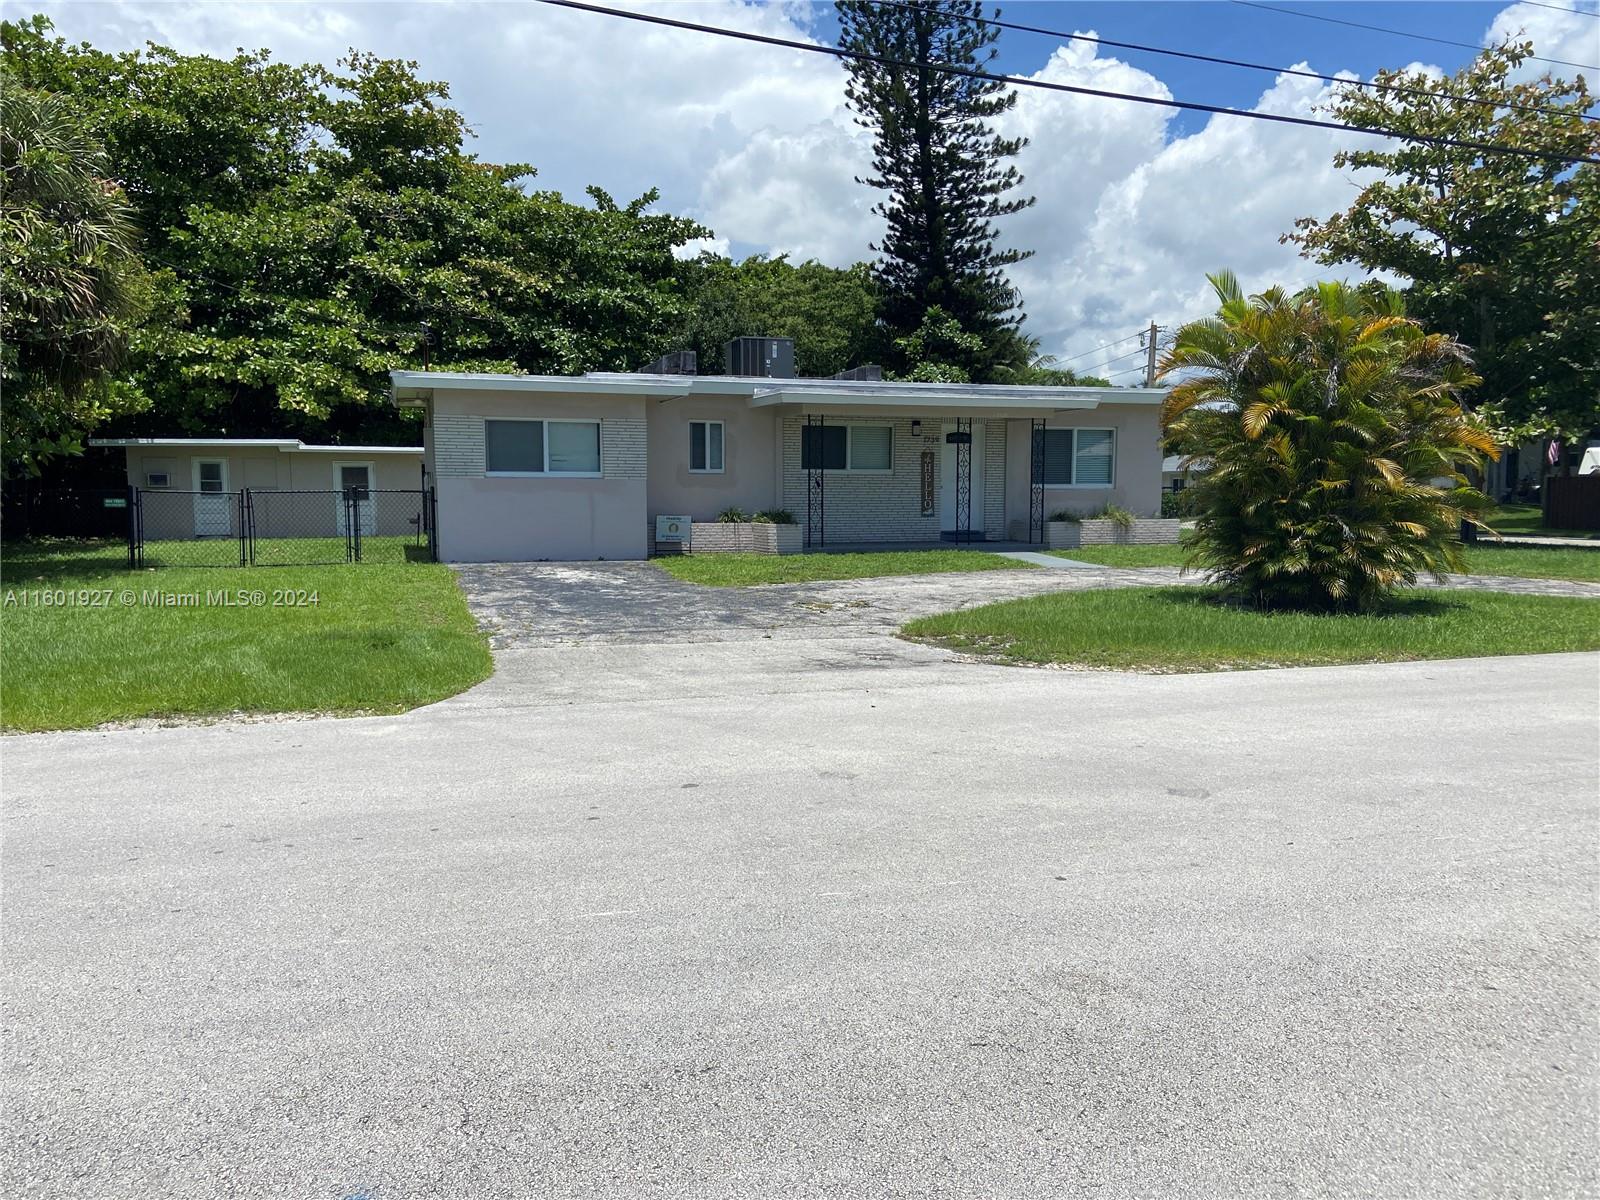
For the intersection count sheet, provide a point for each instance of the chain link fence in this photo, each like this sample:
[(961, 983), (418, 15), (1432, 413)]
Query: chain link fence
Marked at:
[(164, 527)]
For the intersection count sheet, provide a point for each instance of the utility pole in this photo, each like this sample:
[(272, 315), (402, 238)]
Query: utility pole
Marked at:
[(1150, 356)]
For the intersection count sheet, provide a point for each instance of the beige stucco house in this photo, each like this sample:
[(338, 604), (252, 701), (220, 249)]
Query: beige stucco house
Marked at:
[(533, 467)]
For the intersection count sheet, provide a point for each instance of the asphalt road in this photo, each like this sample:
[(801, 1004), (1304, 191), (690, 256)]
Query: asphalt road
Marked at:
[(819, 918)]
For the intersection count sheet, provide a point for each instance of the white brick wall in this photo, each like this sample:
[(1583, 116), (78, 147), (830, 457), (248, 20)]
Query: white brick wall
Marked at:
[(888, 508), (623, 448), (457, 445)]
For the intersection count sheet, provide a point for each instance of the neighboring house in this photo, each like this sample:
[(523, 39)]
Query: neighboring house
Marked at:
[(578, 467), (176, 475), (1173, 477)]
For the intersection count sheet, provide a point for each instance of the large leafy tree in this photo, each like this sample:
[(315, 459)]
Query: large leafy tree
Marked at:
[(1333, 441), (73, 287), (829, 312), (1501, 250), (944, 170), (301, 225)]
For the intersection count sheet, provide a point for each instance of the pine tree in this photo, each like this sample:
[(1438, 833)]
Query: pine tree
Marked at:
[(944, 169)]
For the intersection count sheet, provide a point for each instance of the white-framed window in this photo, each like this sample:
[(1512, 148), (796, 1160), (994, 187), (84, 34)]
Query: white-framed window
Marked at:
[(1084, 458), (537, 446), (867, 449), (157, 479), (705, 447)]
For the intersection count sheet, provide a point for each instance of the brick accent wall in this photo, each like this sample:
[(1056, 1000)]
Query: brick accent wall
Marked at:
[(1067, 535), (457, 445), (888, 508), (624, 449)]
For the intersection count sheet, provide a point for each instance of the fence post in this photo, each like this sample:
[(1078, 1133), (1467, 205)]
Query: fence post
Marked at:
[(133, 526), (353, 521), (431, 503)]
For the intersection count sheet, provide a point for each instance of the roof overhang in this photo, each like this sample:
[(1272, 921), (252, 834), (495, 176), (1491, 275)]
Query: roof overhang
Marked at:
[(823, 402), (413, 389), (285, 445)]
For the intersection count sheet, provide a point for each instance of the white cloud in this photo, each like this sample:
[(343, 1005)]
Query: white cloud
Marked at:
[(1570, 37), (756, 141)]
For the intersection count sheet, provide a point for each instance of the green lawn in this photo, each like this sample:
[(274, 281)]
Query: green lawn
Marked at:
[(1187, 629), (743, 570), (379, 638), (1527, 520), (1527, 562)]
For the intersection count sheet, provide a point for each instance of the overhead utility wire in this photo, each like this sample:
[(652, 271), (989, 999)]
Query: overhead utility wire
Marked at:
[(1293, 12), (1234, 62), (1582, 12), (1074, 89), (1560, 8), (1097, 349)]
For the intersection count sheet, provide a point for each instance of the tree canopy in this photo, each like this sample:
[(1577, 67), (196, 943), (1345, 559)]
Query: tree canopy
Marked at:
[(74, 288), (300, 224), (1499, 250)]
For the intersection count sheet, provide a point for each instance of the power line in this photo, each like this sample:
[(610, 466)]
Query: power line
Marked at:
[(1234, 62), (1582, 12), (1560, 8), (1073, 89), (1424, 37), (1097, 349)]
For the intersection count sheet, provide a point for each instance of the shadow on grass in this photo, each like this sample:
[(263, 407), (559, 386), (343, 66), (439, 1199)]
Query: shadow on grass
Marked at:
[(54, 558), (1398, 608)]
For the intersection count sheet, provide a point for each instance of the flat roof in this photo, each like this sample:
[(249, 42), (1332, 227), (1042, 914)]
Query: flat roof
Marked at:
[(411, 387), (286, 445)]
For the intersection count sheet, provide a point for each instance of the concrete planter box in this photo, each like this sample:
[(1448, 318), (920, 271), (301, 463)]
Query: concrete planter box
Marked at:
[(752, 537), (1145, 531)]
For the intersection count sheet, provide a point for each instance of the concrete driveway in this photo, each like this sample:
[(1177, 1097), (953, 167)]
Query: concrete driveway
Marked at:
[(769, 905)]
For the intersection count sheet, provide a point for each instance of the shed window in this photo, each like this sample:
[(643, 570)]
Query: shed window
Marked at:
[(157, 479)]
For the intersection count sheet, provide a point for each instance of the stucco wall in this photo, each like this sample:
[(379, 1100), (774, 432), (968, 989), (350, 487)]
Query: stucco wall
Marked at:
[(749, 478), (484, 518), (1136, 473)]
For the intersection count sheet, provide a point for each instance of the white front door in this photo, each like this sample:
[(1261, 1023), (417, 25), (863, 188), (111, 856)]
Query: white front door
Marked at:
[(213, 506), (948, 517), (358, 475)]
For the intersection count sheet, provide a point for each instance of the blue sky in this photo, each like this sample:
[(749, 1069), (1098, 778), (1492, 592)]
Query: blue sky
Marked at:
[(1135, 203)]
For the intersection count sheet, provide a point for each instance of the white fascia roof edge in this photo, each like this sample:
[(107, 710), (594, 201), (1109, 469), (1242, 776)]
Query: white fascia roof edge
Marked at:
[(286, 445)]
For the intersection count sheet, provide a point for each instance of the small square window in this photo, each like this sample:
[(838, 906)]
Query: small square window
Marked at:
[(705, 446), (871, 448), (513, 446), (157, 479)]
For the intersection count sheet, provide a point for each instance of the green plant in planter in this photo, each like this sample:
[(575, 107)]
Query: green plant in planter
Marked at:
[(1116, 514), (1067, 515), (774, 516), (732, 515)]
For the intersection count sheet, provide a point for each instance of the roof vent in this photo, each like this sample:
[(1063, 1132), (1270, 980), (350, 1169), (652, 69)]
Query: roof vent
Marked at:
[(767, 358), (679, 362), (866, 373)]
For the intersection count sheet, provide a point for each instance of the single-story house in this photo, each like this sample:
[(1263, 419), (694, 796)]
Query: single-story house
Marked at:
[(532, 467), (176, 475)]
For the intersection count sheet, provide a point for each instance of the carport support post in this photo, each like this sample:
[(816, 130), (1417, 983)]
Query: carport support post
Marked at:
[(963, 479), (1036, 484), (816, 482)]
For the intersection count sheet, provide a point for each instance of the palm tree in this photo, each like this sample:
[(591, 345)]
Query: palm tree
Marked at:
[(72, 282), (1333, 448)]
